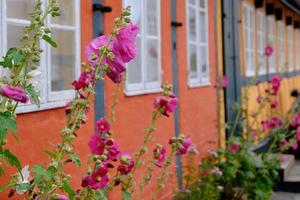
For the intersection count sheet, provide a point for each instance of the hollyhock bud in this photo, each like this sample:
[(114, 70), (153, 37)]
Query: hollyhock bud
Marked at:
[(86, 79), (102, 125), (274, 104), (125, 46), (235, 148), (295, 120), (269, 50), (159, 154), (113, 150), (96, 145), (14, 93), (127, 163)]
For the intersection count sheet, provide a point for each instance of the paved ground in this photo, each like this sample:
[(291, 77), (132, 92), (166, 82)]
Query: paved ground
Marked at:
[(285, 196)]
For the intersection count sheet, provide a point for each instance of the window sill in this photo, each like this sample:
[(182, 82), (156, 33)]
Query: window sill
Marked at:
[(197, 85), (44, 106), (142, 92)]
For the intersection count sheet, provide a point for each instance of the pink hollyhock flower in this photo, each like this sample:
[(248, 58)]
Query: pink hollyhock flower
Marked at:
[(166, 104), (235, 148), (269, 50), (159, 154), (113, 149), (222, 82), (274, 122), (295, 146), (186, 145), (127, 163), (295, 120), (86, 79), (125, 46), (259, 99), (274, 104), (96, 145), (93, 50), (98, 180), (14, 93), (113, 74), (275, 84), (60, 197), (102, 125), (217, 171)]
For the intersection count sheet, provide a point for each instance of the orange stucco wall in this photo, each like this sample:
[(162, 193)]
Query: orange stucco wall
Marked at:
[(38, 129), (198, 108)]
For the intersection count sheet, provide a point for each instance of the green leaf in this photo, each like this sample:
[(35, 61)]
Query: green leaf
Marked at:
[(126, 195), (49, 40), (41, 173), (2, 173), (12, 159), (7, 122), (23, 186), (50, 154), (33, 94), (13, 57), (68, 189), (3, 133), (75, 158)]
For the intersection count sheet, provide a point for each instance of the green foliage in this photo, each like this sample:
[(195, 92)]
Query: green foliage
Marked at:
[(49, 40), (12, 58), (41, 174), (33, 94), (8, 122), (6, 155), (126, 195), (75, 158), (68, 189)]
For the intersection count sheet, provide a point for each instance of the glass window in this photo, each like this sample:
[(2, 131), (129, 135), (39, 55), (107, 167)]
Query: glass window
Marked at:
[(197, 30), (290, 38), (281, 46), (261, 42), (271, 42), (144, 72), (58, 66)]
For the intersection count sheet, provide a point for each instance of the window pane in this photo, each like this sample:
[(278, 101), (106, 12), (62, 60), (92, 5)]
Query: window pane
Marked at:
[(192, 1), (63, 60), (152, 60), (135, 10), (193, 61), (202, 27), (203, 60), (152, 17), (20, 8), (201, 3), (14, 35), (134, 68), (192, 24), (67, 13)]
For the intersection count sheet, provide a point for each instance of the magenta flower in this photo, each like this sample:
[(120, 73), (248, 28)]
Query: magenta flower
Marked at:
[(269, 50), (86, 79), (295, 146), (127, 163), (217, 171), (98, 180), (102, 125), (60, 197), (275, 84), (186, 145), (272, 123), (222, 82), (14, 93), (93, 50), (96, 145), (166, 104), (259, 99), (295, 120), (159, 154), (125, 46), (274, 104), (113, 74), (113, 149), (235, 148)]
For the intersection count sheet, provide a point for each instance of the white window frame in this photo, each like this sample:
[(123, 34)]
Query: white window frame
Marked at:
[(248, 11), (261, 40), (49, 99), (202, 79), (271, 42), (290, 46), (281, 46), (144, 87)]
